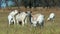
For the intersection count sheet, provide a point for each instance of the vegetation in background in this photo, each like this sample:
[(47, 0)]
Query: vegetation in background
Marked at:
[(30, 3)]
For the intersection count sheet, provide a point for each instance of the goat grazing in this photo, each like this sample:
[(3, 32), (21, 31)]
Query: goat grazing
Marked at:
[(51, 17)]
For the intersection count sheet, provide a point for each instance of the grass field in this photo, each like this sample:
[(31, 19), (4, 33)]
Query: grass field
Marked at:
[(49, 27)]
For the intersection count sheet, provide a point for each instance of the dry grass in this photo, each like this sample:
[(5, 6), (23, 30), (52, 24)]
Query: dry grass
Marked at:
[(49, 27)]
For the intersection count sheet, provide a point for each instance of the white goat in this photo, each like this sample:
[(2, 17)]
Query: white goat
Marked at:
[(51, 17), (22, 17), (11, 16), (38, 19)]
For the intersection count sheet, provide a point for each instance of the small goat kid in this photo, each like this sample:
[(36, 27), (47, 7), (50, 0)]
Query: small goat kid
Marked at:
[(51, 17), (11, 16), (37, 18), (22, 17)]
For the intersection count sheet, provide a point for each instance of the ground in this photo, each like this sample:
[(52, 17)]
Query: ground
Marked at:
[(49, 27)]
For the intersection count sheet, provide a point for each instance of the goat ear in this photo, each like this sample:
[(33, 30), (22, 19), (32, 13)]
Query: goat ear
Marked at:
[(25, 12), (19, 12), (31, 11)]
